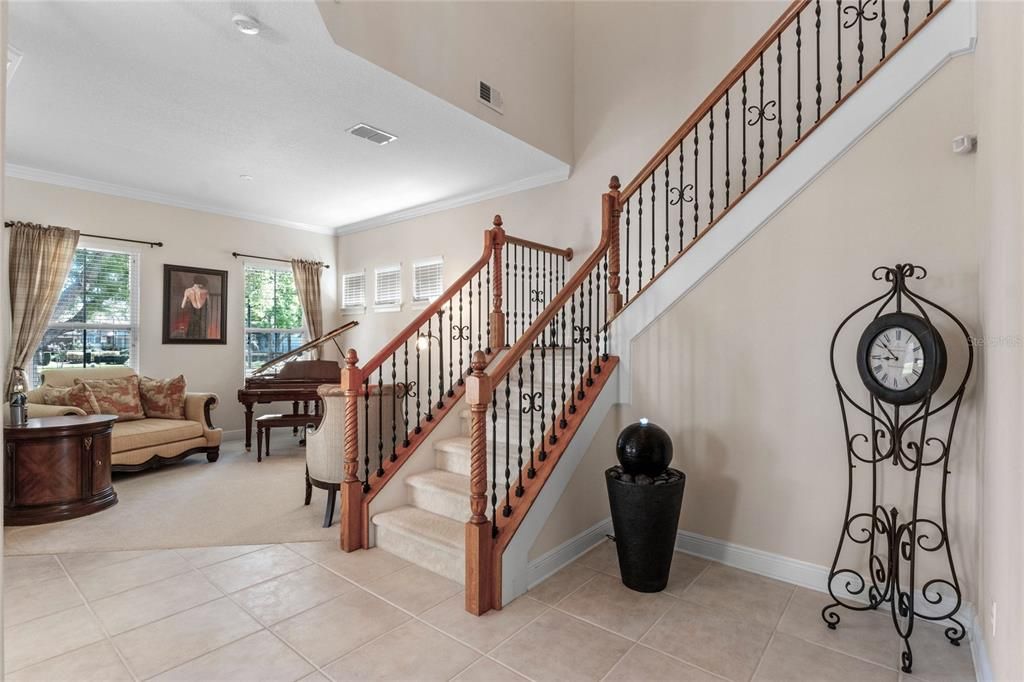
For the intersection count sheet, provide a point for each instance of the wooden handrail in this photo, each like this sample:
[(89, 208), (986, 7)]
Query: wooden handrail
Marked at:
[(543, 320), (564, 253), (438, 303), (744, 63)]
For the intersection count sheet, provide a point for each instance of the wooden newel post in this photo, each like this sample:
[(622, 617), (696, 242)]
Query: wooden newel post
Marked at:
[(610, 212), (497, 340), (479, 544), (351, 486)]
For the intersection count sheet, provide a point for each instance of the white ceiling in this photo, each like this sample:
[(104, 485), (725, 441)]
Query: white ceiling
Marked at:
[(166, 101)]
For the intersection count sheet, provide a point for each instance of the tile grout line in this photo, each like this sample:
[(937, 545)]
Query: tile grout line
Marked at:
[(775, 630), (99, 623)]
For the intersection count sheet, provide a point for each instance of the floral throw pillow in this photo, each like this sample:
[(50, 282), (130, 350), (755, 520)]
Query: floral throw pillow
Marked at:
[(117, 396), (79, 395), (163, 398)]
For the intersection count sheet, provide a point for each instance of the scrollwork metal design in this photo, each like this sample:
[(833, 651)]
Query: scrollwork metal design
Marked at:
[(859, 11), (581, 334), (532, 402), (680, 194), (461, 333), (901, 437), (759, 113), (403, 389)]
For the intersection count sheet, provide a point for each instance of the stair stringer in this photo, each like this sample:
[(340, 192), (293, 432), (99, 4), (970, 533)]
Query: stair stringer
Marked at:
[(951, 33), (515, 560)]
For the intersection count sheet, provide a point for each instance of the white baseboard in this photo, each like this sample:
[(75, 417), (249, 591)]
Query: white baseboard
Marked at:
[(782, 568), (552, 561)]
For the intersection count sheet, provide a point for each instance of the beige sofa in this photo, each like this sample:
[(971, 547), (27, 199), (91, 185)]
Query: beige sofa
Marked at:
[(143, 443)]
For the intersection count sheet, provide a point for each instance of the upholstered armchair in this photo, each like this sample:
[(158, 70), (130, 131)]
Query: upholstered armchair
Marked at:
[(325, 461)]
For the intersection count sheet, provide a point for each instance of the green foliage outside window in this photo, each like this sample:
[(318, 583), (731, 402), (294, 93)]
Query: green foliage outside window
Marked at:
[(271, 300)]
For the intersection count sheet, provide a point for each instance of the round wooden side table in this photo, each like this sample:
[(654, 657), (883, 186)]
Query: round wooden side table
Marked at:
[(57, 468)]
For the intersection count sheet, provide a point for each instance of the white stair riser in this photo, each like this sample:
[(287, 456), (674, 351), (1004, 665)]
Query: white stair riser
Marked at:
[(439, 501), (449, 563)]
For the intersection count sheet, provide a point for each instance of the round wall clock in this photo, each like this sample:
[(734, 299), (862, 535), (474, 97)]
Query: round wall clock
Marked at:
[(901, 358)]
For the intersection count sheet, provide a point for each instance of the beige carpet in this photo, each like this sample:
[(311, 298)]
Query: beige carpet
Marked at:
[(234, 501)]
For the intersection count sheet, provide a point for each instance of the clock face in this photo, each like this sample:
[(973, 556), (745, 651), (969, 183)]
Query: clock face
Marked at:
[(896, 358)]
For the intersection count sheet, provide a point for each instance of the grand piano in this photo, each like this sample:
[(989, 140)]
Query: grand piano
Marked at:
[(285, 379)]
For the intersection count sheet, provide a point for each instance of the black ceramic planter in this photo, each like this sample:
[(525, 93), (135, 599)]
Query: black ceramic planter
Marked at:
[(645, 497)]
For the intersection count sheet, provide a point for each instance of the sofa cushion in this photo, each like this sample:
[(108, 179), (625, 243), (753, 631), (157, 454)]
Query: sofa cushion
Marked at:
[(117, 396), (146, 433), (163, 398), (80, 396)]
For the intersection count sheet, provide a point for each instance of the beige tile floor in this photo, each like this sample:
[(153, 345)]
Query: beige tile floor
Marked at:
[(306, 611)]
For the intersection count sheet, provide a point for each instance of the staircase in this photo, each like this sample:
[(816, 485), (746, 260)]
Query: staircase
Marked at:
[(823, 72), (430, 529)]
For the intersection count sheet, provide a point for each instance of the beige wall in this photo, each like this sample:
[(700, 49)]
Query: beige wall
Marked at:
[(190, 238), (447, 48), (1000, 102), (738, 370)]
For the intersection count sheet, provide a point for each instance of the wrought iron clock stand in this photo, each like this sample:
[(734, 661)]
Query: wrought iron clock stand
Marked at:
[(902, 439)]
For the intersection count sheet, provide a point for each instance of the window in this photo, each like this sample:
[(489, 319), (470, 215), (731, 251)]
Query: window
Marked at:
[(273, 315), (388, 287), (96, 318), (427, 283), (353, 291)]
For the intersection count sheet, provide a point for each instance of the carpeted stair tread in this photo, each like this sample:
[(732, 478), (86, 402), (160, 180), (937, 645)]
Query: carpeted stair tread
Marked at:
[(447, 534)]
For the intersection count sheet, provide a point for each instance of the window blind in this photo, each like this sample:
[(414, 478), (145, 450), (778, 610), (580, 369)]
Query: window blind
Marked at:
[(353, 290), (95, 321), (427, 283), (388, 286)]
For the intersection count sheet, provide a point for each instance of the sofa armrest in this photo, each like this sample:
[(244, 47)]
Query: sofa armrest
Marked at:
[(40, 410), (198, 407)]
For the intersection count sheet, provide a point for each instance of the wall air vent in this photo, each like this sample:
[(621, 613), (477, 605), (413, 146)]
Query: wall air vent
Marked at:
[(491, 96), (372, 134)]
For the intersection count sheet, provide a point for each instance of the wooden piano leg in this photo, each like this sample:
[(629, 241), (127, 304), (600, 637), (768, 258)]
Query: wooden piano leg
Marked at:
[(295, 410), (248, 427)]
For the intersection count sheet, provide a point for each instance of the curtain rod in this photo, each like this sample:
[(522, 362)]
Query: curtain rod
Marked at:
[(279, 260), (10, 223)]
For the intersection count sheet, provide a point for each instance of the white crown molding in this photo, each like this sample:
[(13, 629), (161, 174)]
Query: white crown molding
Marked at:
[(557, 175), (100, 187)]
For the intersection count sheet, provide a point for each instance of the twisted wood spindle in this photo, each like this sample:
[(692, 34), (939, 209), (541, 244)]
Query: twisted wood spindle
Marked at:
[(479, 576), (351, 487)]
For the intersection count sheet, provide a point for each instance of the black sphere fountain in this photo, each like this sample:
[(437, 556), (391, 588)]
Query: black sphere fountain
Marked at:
[(645, 497)]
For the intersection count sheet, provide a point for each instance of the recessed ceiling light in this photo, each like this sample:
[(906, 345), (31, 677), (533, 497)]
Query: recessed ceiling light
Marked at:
[(245, 178), (246, 24)]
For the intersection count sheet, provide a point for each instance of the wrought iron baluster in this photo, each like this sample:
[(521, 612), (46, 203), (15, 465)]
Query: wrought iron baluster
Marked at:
[(481, 306), (667, 202), (760, 116), (681, 202), (604, 355), (394, 408), (519, 465), (799, 100), (743, 155), (509, 340), (440, 355), (727, 147), (839, 50), (430, 371), (572, 355), (507, 510), (817, 57), (419, 383), (597, 316), (451, 351), (366, 434), (906, 18), (590, 327), (543, 389), (405, 392), (696, 178), (860, 40), (778, 106), (532, 471), (711, 164), (462, 337), (514, 288), (629, 262), (487, 317), (563, 422), (494, 462), (380, 420), (469, 288), (654, 250), (883, 24)]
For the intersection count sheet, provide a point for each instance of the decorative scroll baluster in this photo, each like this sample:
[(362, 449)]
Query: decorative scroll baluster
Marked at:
[(778, 107), (711, 164), (380, 421), (682, 203), (760, 116), (528, 408), (817, 57), (839, 50), (799, 100), (743, 111), (461, 337)]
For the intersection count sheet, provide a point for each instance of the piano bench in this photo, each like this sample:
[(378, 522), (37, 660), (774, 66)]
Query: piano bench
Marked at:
[(272, 421)]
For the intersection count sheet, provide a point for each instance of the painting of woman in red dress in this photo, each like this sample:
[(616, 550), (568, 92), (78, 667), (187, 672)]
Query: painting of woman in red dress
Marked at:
[(195, 305)]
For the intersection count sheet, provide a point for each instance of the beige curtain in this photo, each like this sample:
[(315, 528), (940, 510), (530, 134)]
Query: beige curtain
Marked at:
[(307, 282), (40, 260)]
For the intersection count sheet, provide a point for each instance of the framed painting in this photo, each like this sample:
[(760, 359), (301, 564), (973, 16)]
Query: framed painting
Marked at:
[(195, 305)]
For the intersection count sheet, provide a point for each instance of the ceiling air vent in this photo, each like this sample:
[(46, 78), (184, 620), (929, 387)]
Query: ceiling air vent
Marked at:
[(372, 134), (491, 97)]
